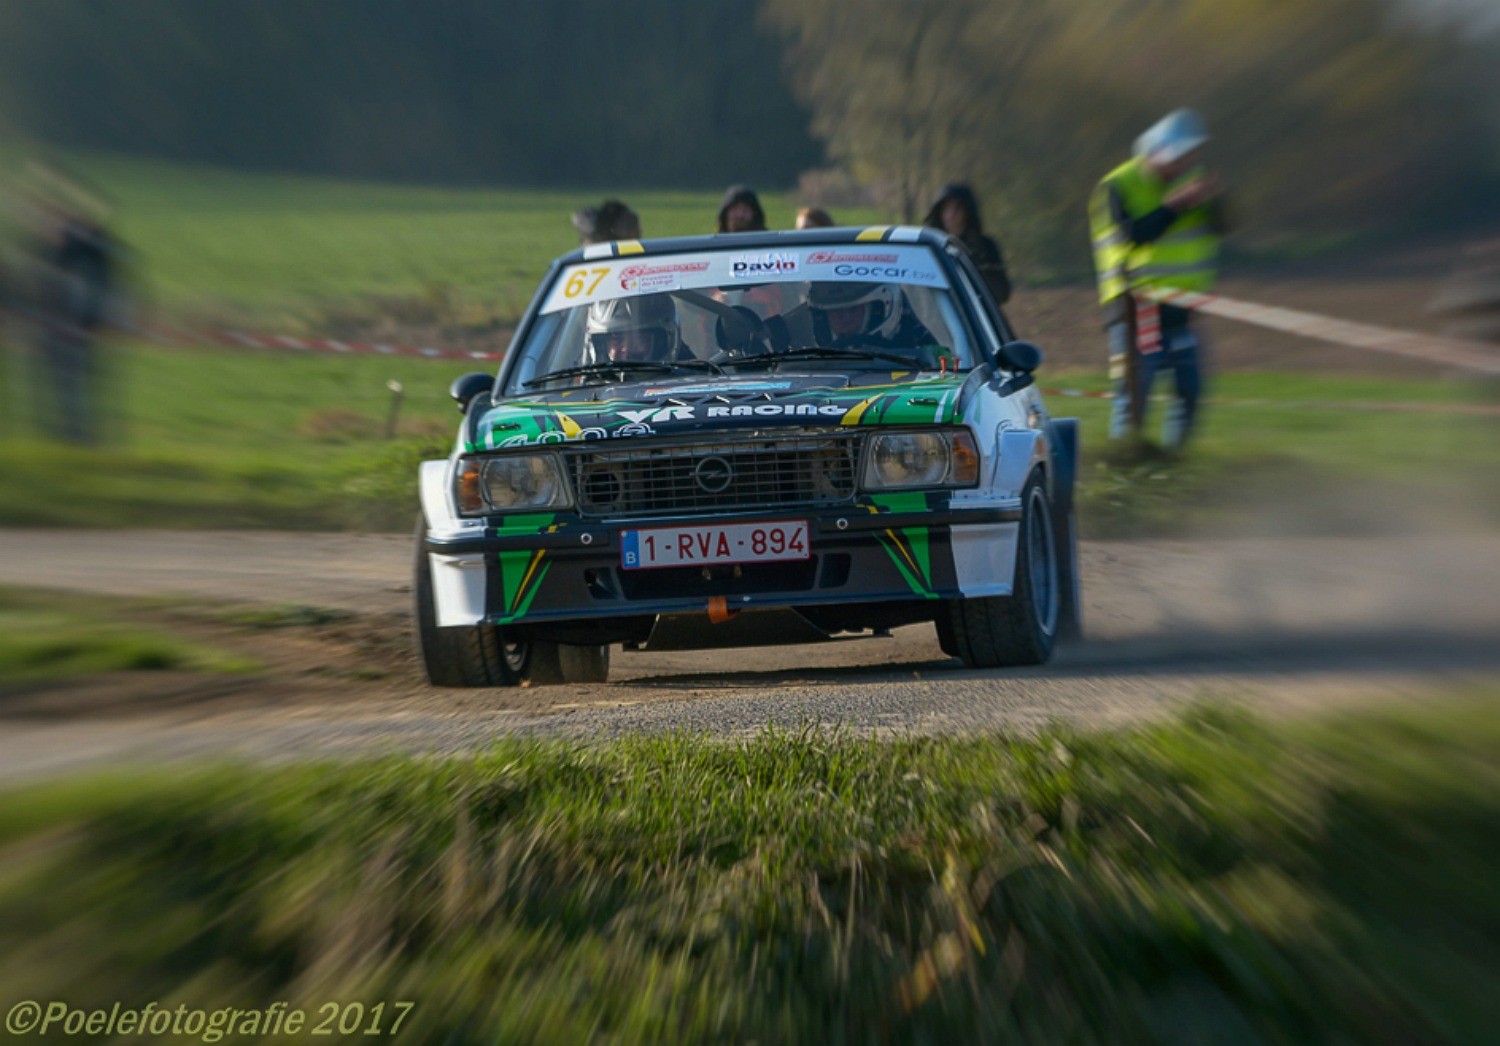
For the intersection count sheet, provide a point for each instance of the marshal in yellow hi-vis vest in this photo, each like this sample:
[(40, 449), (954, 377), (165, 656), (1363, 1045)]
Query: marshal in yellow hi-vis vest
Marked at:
[(1185, 258)]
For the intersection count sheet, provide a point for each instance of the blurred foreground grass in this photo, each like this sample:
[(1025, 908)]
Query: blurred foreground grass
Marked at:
[(1215, 878)]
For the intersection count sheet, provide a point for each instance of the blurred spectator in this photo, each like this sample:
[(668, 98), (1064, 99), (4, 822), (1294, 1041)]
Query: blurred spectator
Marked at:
[(814, 218), (611, 220), (741, 211), (1156, 222), (956, 212), (67, 297)]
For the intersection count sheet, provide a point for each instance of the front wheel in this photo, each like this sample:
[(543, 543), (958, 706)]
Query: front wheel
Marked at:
[(1019, 629), (465, 655)]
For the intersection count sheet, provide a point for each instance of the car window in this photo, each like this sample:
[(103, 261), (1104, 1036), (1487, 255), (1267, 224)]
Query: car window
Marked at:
[(978, 305), (846, 307)]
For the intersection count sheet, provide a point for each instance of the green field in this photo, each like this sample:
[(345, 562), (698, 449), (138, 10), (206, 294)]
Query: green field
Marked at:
[(237, 438), (286, 250), (1213, 879), (231, 438)]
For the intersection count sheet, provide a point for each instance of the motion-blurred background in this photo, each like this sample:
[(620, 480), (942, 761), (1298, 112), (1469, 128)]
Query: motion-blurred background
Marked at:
[(387, 173), (1337, 119)]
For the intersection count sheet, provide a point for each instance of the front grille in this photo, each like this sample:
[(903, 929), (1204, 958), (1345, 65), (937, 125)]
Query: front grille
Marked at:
[(751, 472)]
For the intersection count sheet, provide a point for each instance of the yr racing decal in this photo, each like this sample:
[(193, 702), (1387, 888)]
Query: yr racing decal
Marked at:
[(911, 404)]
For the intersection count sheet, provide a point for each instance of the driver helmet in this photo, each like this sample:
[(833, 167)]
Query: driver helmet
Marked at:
[(639, 330), (847, 311)]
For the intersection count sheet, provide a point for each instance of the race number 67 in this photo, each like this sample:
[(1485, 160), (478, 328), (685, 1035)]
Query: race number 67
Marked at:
[(578, 283)]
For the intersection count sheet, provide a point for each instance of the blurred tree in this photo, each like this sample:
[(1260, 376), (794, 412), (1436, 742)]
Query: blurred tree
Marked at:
[(1330, 117), (571, 92)]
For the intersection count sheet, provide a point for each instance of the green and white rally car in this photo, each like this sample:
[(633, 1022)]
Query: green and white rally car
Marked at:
[(742, 440)]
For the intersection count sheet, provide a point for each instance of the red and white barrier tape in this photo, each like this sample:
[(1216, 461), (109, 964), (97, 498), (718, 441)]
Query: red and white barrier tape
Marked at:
[(1452, 352), (243, 339), (1442, 350), (1478, 409)]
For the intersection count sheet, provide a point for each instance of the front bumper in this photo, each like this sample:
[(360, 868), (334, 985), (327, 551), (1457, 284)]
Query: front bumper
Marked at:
[(569, 570)]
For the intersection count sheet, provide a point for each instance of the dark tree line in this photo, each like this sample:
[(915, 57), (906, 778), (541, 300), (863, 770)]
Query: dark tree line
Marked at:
[(1333, 116), (567, 92)]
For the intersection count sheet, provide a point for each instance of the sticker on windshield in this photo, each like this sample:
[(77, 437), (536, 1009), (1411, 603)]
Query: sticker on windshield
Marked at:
[(644, 277), (876, 266), (853, 258), (600, 279), (764, 266), (657, 281)]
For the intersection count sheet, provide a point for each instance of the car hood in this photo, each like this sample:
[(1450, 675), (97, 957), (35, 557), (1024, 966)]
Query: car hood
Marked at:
[(683, 406)]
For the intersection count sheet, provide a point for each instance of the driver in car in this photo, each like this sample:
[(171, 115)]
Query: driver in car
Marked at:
[(633, 330), (864, 315)]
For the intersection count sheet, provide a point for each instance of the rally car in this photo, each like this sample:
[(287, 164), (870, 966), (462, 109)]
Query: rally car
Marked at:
[(749, 439)]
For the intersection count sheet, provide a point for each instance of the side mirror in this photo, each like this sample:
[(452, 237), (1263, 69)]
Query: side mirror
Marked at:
[(1023, 358), (1021, 355), (466, 388)]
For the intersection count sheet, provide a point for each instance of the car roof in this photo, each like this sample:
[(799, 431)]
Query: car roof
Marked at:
[(759, 241)]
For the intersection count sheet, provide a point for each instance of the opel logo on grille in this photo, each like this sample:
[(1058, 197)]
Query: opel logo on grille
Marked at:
[(713, 475)]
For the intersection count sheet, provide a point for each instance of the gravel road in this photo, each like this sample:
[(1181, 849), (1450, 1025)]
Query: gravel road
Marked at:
[(1281, 624)]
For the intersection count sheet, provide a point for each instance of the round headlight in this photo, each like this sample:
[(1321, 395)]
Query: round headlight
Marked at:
[(910, 459), (520, 482)]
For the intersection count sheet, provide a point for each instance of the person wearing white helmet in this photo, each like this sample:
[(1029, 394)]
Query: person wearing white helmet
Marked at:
[(864, 315), (633, 330), (1157, 222), (849, 313)]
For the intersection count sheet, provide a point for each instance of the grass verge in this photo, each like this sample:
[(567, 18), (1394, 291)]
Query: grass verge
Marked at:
[(47, 636), (1293, 451), (227, 439), (1217, 877)]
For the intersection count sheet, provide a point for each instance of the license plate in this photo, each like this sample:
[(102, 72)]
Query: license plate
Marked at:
[(706, 546)]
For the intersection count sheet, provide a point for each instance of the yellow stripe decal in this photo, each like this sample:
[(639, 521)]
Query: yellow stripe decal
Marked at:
[(625, 247), (854, 413), (910, 560), (570, 428), (536, 557), (873, 233)]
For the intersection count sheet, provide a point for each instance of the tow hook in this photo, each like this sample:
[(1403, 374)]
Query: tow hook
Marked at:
[(718, 610)]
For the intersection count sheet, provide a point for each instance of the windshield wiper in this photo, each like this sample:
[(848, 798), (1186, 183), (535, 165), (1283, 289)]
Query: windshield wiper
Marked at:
[(624, 367), (819, 352)]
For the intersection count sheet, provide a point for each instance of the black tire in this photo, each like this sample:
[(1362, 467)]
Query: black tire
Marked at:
[(1019, 629), (465, 656), (553, 664), (584, 664), (1069, 585), (947, 641), (546, 665)]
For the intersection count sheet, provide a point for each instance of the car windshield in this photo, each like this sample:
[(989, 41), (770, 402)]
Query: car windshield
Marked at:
[(875, 307)]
